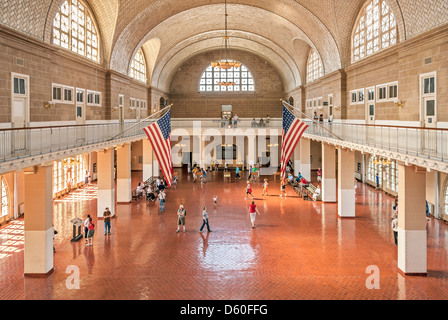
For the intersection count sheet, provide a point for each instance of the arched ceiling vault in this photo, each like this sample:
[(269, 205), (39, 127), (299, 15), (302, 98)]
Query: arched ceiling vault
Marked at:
[(276, 39), (168, 66), (325, 25)]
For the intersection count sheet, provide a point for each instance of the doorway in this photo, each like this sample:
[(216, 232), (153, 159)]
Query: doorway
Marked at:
[(20, 99)]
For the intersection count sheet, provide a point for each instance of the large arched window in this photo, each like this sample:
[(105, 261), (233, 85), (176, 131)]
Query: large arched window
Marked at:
[(314, 68), (74, 29), (5, 200), (138, 67), (376, 29), (242, 77)]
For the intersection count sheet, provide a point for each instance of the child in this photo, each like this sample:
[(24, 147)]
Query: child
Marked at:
[(282, 187), (265, 187), (248, 190), (215, 200)]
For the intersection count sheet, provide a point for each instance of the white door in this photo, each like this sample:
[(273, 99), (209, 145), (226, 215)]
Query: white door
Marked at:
[(428, 100), (370, 105), (430, 115), (80, 106), (19, 111)]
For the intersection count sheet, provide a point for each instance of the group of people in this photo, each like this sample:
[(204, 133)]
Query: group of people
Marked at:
[(320, 118), (199, 174), (89, 226), (261, 123)]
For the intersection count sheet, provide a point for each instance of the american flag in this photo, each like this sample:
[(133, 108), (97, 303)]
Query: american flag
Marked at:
[(159, 135), (293, 128)]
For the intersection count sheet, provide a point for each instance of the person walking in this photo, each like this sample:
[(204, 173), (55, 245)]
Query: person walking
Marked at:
[(248, 190), (215, 200), (265, 187), (237, 173), (253, 211), (91, 233), (86, 228), (162, 197), (107, 215), (181, 213), (205, 220)]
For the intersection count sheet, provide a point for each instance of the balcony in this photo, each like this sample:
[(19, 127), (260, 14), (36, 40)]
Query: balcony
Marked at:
[(25, 147)]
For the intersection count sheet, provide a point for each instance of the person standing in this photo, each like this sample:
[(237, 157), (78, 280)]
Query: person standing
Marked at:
[(395, 228), (253, 211), (162, 197), (91, 233), (86, 228), (107, 215), (235, 120), (181, 213), (377, 178), (205, 220), (319, 175), (282, 187), (204, 176)]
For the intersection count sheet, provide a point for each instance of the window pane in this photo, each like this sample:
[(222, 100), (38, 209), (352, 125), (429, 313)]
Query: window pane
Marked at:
[(430, 108)]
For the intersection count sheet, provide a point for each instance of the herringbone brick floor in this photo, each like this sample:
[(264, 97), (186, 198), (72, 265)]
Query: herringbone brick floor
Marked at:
[(298, 250)]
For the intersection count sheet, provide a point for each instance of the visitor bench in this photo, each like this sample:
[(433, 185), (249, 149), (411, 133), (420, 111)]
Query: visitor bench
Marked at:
[(227, 175), (310, 190)]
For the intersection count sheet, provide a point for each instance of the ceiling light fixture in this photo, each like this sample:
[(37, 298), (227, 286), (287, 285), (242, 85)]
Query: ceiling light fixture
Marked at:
[(225, 63)]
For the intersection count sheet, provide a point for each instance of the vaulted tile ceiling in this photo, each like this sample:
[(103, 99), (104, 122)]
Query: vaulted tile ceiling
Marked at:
[(172, 31)]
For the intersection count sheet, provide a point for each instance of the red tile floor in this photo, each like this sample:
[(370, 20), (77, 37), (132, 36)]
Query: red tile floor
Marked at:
[(298, 250)]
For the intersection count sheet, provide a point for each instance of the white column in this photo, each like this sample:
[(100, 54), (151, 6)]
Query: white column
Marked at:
[(305, 163), (328, 173), (38, 252), (147, 160), (346, 183), (106, 185), (412, 246), (155, 165), (251, 150), (124, 189), (297, 159)]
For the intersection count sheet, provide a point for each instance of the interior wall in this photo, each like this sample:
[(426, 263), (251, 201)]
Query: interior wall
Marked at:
[(189, 103)]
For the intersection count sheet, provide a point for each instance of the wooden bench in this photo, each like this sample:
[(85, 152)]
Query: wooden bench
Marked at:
[(227, 175), (311, 190)]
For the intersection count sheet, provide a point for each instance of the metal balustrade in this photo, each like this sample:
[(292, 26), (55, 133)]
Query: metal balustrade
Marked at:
[(422, 142), (29, 142)]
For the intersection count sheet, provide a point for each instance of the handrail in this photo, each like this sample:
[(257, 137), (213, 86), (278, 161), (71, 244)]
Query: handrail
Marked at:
[(384, 126)]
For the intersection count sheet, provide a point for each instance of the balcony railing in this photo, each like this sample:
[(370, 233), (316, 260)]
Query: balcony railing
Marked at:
[(20, 143), (28, 142), (422, 142)]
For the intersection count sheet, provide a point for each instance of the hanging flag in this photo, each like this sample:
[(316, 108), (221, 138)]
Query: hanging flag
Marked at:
[(293, 128), (159, 135)]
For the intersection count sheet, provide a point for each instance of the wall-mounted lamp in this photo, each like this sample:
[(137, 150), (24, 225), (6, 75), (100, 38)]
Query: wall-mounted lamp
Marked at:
[(49, 105), (400, 104), (337, 108)]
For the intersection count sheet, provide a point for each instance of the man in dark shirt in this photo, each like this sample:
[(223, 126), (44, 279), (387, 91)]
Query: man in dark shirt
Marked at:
[(107, 214)]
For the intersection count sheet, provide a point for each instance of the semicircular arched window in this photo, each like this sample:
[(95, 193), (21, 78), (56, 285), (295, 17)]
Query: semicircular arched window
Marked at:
[(314, 69), (5, 198), (138, 66), (74, 29), (234, 79), (376, 29)]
